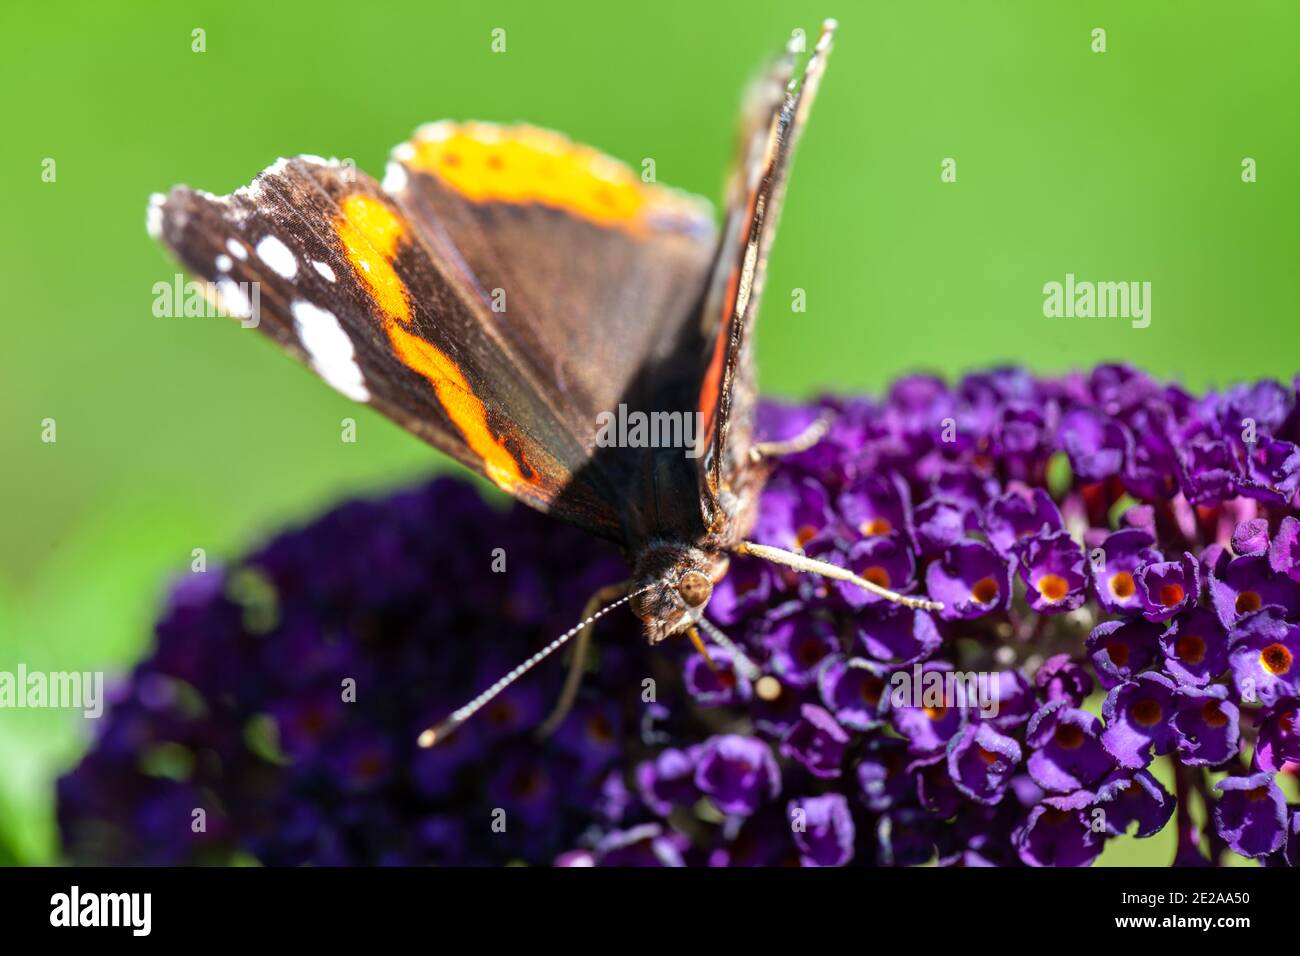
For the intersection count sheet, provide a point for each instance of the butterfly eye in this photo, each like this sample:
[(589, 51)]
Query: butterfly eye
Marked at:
[(694, 588)]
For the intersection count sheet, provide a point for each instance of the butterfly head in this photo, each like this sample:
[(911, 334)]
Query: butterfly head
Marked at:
[(676, 582)]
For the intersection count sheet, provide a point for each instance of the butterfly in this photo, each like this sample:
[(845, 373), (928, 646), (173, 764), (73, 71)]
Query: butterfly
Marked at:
[(508, 296)]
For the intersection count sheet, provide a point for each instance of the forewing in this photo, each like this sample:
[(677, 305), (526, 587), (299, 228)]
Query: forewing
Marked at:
[(346, 280), (728, 388), (592, 272)]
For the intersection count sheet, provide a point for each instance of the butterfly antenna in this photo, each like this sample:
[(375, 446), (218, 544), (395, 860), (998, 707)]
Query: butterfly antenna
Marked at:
[(800, 562), (740, 660), (441, 731)]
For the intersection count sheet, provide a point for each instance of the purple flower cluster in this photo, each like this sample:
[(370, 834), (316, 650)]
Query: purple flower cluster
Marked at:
[(1119, 563), (276, 718)]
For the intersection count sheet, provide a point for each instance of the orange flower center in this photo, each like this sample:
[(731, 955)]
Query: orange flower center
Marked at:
[(875, 526), (935, 713), (804, 535), (600, 729), (1147, 712), (988, 756), (1190, 648), (872, 689), (810, 652), (1068, 737), (528, 783), (1276, 659), (1213, 715), (1248, 601), (876, 575), (1257, 794), (1121, 585), (1053, 587), (985, 590), (1118, 653), (370, 765), (1171, 594)]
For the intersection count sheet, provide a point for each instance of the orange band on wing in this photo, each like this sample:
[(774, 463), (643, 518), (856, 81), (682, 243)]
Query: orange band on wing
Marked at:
[(711, 385), (524, 164), (371, 233), (461, 405)]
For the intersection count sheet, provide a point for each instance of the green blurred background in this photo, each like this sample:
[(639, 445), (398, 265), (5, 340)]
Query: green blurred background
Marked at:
[(175, 434)]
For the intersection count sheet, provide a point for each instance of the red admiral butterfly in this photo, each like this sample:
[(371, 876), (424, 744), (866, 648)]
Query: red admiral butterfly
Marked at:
[(502, 292)]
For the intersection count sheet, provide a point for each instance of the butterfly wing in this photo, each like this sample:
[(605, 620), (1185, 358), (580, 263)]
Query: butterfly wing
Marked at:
[(593, 271), (771, 125), (378, 297), (598, 277), (505, 289)]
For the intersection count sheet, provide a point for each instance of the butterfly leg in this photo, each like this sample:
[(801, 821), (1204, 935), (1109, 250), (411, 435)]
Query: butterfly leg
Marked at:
[(800, 562), (698, 643), (739, 659), (806, 439), (578, 661)]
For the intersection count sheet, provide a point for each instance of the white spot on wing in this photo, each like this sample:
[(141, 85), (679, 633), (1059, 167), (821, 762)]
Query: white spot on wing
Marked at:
[(435, 132), (394, 178), (224, 263), (331, 351), (153, 216), (277, 255), (324, 269), (234, 300), (237, 249)]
